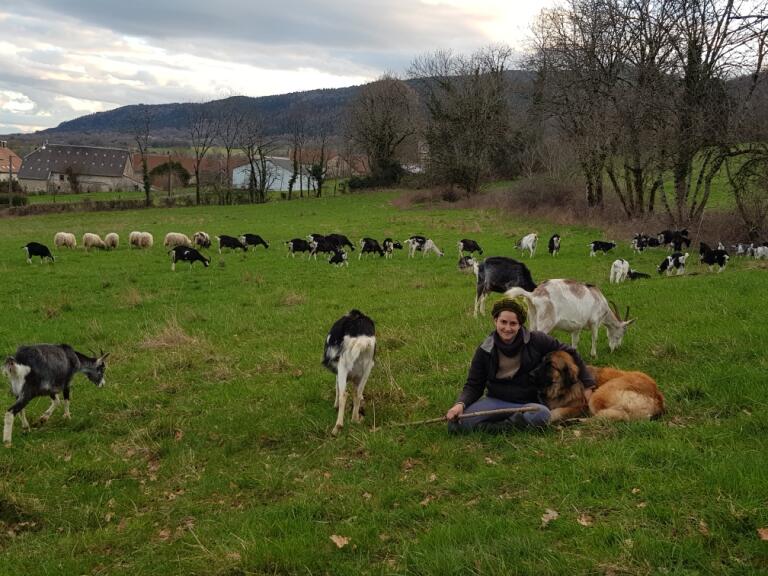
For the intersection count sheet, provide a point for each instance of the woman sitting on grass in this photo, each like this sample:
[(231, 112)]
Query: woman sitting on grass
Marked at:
[(501, 365)]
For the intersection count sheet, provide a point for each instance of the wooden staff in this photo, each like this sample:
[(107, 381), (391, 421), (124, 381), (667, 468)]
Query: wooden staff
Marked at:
[(498, 412)]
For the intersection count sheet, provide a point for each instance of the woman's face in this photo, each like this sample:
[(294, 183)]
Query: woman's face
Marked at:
[(507, 326)]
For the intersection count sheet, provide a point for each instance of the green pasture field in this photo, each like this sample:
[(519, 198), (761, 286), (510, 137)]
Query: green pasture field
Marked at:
[(209, 450)]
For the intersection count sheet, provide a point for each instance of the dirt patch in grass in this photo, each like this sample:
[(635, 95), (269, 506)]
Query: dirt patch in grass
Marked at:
[(132, 297), (169, 337), (293, 299)]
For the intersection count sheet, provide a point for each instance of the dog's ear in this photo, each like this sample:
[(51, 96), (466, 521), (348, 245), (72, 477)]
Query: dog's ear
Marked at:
[(571, 371)]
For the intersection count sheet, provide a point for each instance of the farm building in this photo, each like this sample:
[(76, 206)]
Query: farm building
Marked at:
[(182, 169), (10, 162), (63, 168), (279, 173)]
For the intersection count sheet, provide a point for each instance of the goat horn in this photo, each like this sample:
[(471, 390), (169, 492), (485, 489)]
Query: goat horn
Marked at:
[(612, 305), (626, 316)]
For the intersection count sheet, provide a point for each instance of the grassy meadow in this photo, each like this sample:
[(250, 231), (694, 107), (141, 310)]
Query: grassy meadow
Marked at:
[(209, 450)]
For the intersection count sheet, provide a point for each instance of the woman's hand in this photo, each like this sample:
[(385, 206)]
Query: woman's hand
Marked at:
[(455, 411)]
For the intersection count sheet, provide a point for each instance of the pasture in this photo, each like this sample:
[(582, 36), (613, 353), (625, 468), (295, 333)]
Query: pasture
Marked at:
[(209, 449)]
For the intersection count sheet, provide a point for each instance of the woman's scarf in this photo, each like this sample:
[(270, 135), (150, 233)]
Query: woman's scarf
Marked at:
[(513, 348)]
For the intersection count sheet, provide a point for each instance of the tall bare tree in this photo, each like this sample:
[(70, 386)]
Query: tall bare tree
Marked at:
[(141, 127), (298, 136), (202, 128), (381, 120), (230, 125), (258, 147), (466, 112)]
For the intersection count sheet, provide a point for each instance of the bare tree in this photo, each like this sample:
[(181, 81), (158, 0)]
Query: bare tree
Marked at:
[(230, 125), (258, 148), (318, 167), (467, 112), (203, 128), (141, 126), (381, 120), (298, 137), (748, 177)]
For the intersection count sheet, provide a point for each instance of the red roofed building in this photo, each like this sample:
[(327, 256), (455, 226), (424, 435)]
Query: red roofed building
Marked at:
[(10, 162)]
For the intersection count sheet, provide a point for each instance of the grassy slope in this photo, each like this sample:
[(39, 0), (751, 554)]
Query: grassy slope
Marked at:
[(209, 450)]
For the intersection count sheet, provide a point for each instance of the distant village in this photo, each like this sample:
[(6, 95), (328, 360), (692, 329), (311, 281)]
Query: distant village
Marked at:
[(66, 169)]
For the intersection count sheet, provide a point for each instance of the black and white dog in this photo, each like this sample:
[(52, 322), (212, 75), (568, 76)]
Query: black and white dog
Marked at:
[(349, 352), (46, 370)]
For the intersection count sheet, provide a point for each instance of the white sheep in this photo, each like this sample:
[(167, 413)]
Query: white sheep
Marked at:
[(201, 239), (65, 239), (91, 240), (133, 239), (112, 240), (146, 240), (173, 239)]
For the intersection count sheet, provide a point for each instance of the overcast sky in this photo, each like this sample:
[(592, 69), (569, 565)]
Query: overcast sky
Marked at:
[(65, 58)]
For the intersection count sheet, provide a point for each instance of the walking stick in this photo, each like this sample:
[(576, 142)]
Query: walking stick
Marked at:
[(498, 412)]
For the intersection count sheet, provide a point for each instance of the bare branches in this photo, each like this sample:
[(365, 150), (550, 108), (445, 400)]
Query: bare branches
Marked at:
[(203, 128), (141, 126)]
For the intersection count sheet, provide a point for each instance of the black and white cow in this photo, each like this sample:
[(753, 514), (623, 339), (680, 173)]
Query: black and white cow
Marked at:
[(467, 245), (37, 249), (600, 246), (370, 246), (231, 242), (186, 254), (339, 258), (253, 240), (46, 370), (390, 246), (717, 258), (349, 353), (499, 274), (553, 246), (675, 261), (299, 245)]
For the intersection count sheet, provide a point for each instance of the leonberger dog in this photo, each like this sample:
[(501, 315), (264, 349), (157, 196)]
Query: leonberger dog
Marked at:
[(618, 395)]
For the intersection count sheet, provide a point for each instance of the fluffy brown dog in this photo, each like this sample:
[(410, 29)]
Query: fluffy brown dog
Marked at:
[(619, 394)]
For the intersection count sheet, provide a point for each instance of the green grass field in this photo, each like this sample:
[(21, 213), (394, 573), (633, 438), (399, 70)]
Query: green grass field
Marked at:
[(209, 450)]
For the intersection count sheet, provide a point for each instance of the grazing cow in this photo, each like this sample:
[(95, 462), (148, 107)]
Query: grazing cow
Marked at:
[(528, 242), (340, 240), (498, 274), (91, 240), (635, 275), (339, 258), (600, 246), (231, 242), (112, 241), (676, 261), (37, 249), (554, 245), (572, 306), (715, 257), (423, 245), (173, 239), (619, 271), (390, 246), (349, 353), (299, 245), (370, 246), (201, 239), (467, 245), (253, 240), (65, 240), (186, 254), (46, 370)]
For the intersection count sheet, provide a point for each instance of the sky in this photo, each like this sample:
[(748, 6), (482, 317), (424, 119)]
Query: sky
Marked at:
[(62, 59)]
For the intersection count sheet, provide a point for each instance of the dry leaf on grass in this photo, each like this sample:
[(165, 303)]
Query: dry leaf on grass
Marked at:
[(763, 533), (490, 461), (585, 520), (548, 516), (427, 500), (340, 541), (703, 528)]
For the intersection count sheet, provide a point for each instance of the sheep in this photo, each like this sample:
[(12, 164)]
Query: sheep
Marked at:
[(146, 240), (349, 352), (619, 271), (91, 240), (133, 239), (65, 240), (201, 239), (37, 249), (173, 239), (112, 241), (46, 370)]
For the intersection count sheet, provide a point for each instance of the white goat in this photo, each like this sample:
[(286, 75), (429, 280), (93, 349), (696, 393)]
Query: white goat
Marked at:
[(572, 306), (528, 242), (112, 240), (173, 239), (65, 240), (423, 245), (91, 240), (619, 271)]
